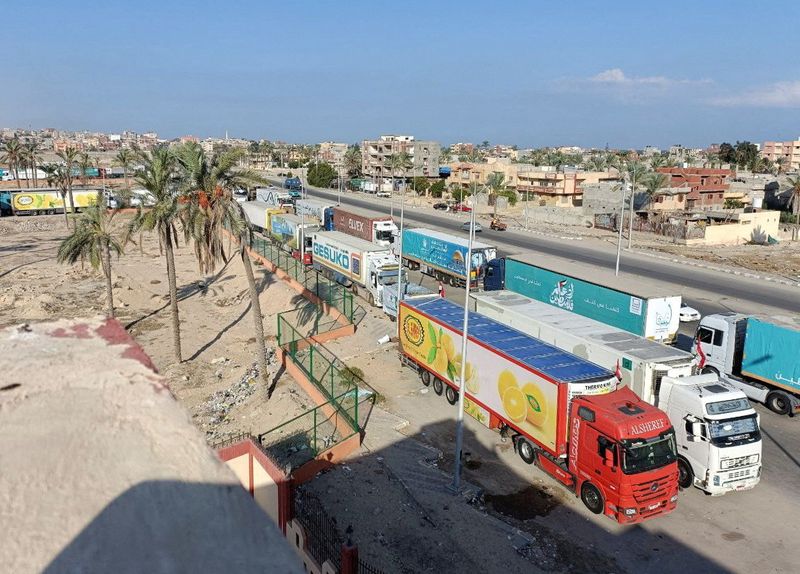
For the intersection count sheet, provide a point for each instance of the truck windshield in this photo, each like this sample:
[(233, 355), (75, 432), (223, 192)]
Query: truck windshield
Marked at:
[(642, 455), (731, 432), (384, 235), (390, 277)]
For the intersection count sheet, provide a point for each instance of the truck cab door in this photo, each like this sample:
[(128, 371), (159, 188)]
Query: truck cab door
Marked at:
[(600, 462), (693, 446), (710, 340)]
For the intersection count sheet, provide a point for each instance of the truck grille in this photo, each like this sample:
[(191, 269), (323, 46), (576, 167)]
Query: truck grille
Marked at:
[(650, 490), (737, 462), (737, 474)]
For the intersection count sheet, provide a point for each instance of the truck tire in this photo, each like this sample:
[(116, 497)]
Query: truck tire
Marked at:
[(438, 386), (354, 289), (425, 377), (371, 299), (709, 371), (592, 498), (526, 451), (779, 402), (451, 395), (685, 473)]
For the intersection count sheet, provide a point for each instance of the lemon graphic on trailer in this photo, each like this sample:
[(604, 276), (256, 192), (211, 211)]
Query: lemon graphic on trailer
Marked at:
[(535, 404), (448, 347), (514, 404), (505, 381)]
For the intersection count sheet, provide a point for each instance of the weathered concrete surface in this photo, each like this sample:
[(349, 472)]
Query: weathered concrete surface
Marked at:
[(102, 470)]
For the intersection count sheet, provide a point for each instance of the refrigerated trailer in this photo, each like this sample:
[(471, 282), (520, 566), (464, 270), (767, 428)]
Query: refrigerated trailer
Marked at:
[(563, 412), (590, 291), (442, 255)]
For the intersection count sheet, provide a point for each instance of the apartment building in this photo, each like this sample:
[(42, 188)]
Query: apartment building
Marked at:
[(558, 189), (705, 189), (787, 152), (424, 157), (333, 153)]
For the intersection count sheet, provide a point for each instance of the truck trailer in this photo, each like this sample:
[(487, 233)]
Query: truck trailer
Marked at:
[(761, 357), (643, 366), (368, 225), (258, 213), (292, 230), (41, 201), (608, 446), (589, 291), (274, 196), (442, 255), (318, 209), (355, 263)]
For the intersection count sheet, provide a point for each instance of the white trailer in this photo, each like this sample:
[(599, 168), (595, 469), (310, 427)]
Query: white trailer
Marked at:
[(355, 263)]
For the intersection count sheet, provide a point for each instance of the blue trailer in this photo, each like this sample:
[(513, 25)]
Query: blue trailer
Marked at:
[(442, 256), (320, 210)]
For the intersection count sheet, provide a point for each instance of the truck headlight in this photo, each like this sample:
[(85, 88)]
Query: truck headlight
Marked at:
[(752, 459), (629, 511), (673, 498)]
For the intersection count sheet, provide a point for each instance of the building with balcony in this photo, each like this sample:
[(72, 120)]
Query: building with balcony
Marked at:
[(705, 189), (785, 153), (333, 153), (424, 157), (558, 189)]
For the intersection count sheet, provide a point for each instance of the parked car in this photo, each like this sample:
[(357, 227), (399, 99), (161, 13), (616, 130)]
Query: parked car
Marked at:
[(383, 194), (462, 207), (441, 206), (687, 313), (465, 226)]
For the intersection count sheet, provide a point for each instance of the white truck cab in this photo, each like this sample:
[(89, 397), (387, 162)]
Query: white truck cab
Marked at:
[(717, 433)]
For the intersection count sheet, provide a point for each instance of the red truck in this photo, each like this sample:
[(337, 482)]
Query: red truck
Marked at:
[(563, 413), (368, 225)]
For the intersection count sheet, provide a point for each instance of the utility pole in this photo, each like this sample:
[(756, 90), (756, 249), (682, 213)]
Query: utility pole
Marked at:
[(620, 223), (464, 338), (633, 197)]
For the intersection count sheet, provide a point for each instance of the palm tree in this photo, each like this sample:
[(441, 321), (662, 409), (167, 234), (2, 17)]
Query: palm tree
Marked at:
[(94, 238), (496, 182), (163, 217), (352, 160), (84, 163), (70, 158), (57, 177), (794, 201), (32, 155), (652, 182), (13, 156), (208, 185), (124, 159), (397, 162)]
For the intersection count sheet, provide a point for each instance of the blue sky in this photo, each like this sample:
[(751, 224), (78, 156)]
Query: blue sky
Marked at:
[(626, 74)]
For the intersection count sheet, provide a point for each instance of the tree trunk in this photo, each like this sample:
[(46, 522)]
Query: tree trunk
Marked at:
[(71, 200), (64, 201), (125, 173), (173, 294), (16, 176), (107, 273), (255, 307)]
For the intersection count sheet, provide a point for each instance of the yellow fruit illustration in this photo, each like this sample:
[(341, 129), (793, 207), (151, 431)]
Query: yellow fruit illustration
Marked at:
[(505, 381), (514, 404), (470, 374), (440, 362), (448, 347), (536, 405)]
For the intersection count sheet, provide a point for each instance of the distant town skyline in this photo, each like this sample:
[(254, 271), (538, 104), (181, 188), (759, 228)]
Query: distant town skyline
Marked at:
[(582, 74)]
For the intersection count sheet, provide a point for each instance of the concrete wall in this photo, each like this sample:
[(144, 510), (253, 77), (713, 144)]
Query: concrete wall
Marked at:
[(265, 491), (557, 215)]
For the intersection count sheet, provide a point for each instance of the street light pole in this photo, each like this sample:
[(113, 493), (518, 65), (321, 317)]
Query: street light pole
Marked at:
[(400, 257), (620, 223), (464, 337), (633, 197)]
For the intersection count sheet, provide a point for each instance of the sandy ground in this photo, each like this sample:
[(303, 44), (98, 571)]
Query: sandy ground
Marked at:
[(216, 323)]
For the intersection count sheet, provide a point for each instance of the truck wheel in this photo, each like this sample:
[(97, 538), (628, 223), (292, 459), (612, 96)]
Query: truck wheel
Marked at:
[(425, 377), (526, 451), (779, 402), (709, 371), (371, 299), (685, 474), (592, 498), (354, 289), (451, 395), (438, 386)]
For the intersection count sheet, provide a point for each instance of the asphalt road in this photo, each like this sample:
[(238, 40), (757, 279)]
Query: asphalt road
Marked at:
[(707, 290)]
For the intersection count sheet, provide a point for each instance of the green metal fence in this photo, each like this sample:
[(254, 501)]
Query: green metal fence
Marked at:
[(304, 437), (337, 296)]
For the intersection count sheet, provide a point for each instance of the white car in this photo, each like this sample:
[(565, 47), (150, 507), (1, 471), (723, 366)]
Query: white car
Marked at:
[(687, 313), (383, 194)]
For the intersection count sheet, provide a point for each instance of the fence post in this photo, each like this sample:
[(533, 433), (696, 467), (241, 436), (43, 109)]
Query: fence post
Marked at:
[(314, 447), (311, 365), (358, 425), (279, 329), (349, 558)]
